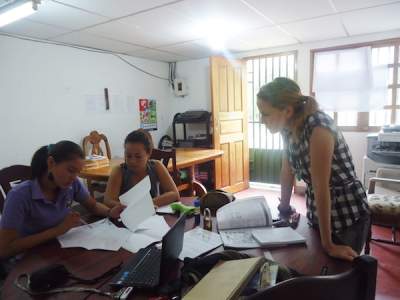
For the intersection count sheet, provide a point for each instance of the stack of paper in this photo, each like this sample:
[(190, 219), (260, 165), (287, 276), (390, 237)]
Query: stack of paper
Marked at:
[(95, 162)]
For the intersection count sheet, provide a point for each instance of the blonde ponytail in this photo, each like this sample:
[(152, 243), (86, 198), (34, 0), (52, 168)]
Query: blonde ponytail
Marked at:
[(283, 92)]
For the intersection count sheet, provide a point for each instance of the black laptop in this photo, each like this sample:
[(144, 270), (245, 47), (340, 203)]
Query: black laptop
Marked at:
[(145, 268)]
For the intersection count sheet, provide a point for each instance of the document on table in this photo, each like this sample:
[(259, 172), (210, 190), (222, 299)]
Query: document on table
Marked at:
[(155, 227), (239, 238), (198, 241), (139, 204), (99, 235), (166, 209), (137, 241), (148, 232)]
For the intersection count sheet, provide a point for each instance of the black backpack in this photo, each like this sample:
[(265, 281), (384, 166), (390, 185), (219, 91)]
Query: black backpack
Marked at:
[(215, 199)]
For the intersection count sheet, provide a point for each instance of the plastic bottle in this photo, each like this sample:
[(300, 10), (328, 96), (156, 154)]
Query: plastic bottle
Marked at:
[(196, 204), (207, 220)]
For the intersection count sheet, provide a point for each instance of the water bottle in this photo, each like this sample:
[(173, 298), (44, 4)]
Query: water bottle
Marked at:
[(196, 204)]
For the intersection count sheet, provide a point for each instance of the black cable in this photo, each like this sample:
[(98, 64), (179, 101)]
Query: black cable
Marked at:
[(83, 48)]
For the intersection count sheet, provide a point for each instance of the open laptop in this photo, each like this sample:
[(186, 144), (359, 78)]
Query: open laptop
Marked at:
[(145, 268)]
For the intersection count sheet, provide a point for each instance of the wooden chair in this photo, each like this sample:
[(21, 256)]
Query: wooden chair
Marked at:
[(170, 155), (384, 204), (359, 283), (92, 145), (95, 139), (11, 176)]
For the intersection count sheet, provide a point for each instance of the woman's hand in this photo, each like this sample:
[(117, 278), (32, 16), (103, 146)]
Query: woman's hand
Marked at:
[(116, 211), (285, 210), (73, 219), (341, 251)]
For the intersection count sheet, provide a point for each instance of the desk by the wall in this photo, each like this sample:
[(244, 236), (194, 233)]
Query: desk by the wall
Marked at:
[(185, 158)]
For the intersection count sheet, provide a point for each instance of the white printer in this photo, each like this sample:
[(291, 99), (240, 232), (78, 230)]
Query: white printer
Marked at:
[(383, 151)]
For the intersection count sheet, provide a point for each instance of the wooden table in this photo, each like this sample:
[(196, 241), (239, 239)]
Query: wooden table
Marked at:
[(307, 259), (185, 158)]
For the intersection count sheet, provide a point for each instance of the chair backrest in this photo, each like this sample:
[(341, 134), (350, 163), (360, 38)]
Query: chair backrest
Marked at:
[(165, 156), (387, 188), (11, 176), (94, 139), (357, 284)]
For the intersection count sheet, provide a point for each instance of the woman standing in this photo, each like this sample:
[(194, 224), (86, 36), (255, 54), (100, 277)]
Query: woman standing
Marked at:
[(316, 152)]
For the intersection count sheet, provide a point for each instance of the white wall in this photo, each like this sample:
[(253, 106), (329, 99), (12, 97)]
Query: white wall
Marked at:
[(43, 96), (197, 74)]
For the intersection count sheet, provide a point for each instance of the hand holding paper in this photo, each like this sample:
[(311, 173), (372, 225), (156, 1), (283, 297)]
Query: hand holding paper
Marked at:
[(139, 204)]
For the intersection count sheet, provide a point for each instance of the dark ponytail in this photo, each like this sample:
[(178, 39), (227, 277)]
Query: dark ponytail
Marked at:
[(62, 151)]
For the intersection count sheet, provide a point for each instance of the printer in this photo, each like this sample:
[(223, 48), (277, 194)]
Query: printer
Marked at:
[(383, 151)]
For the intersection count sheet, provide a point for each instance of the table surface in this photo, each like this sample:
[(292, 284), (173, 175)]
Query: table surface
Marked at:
[(306, 258), (185, 157)]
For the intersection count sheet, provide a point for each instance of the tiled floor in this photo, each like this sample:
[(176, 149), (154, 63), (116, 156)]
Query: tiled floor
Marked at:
[(388, 281)]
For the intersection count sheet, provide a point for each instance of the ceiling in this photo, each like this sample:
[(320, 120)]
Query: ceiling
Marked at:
[(167, 30)]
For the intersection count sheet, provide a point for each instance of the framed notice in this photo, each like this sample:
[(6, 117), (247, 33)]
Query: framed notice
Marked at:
[(148, 114)]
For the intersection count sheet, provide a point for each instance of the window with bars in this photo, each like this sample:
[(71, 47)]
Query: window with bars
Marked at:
[(383, 53), (261, 70)]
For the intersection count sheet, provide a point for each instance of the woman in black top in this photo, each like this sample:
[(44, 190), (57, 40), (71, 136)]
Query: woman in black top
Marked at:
[(138, 146)]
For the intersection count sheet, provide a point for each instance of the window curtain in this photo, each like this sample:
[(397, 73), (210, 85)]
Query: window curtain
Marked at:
[(346, 80)]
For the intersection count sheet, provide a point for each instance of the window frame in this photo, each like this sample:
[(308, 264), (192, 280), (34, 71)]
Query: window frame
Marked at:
[(266, 56), (363, 117)]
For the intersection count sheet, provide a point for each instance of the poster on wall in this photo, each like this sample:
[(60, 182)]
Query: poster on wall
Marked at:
[(148, 114)]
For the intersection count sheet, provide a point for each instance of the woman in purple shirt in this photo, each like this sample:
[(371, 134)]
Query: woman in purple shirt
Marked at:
[(38, 210)]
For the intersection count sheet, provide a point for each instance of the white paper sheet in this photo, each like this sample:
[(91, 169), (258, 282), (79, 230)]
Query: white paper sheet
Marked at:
[(239, 238), (137, 241), (99, 235), (137, 211), (166, 209), (155, 227), (140, 189), (198, 241)]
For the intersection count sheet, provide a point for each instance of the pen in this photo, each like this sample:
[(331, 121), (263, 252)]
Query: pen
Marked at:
[(86, 223)]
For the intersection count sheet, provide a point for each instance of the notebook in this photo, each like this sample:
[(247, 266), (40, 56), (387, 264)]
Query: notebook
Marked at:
[(277, 236)]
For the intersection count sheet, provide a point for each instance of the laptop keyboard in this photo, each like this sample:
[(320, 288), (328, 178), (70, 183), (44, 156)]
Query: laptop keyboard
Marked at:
[(142, 271)]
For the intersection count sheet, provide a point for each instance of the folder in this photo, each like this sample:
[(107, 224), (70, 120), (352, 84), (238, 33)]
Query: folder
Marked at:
[(226, 280)]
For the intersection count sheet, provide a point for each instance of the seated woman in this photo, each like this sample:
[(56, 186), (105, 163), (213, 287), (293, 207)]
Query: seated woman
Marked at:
[(38, 210), (138, 147)]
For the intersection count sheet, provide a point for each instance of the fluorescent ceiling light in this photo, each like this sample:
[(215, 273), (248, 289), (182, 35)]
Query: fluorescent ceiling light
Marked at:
[(17, 10), (217, 31)]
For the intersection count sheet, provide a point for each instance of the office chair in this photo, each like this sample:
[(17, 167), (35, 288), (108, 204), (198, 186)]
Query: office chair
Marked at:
[(384, 204), (356, 284), (11, 176)]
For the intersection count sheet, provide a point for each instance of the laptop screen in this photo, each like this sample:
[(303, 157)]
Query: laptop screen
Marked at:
[(172, 242)]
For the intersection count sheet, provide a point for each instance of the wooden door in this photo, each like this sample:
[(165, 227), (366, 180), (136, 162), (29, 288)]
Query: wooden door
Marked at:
[(229, 110)]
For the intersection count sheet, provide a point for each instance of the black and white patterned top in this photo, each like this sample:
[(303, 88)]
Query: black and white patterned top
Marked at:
[(348, 197)]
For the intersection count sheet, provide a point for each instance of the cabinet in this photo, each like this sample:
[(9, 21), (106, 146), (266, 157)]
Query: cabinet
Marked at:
[(188, 137)]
